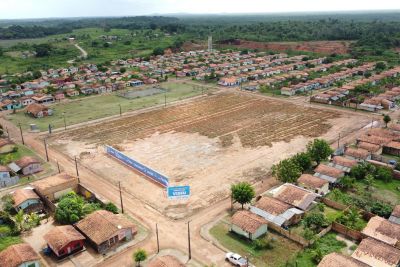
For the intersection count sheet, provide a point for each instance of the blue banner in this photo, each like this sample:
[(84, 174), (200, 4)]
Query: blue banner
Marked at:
[(176, 192), (157, 177)]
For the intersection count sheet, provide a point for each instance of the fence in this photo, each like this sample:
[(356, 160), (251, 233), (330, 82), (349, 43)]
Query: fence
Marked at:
[(344, 230), (334, 204)]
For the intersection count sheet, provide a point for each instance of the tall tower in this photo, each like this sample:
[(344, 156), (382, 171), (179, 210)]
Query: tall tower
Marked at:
[(210, 44)]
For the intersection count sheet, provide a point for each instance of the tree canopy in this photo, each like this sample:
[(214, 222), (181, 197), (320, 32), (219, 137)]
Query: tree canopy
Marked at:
[(319, 150), (242, 192)]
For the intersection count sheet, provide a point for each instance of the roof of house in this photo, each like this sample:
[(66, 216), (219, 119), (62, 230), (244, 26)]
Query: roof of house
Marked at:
[(60, 236), (4, 168), (53, 181), (335, 259), (21, 195), (343, 161), (329, 171), (26, 161), (374, 139), (357, 153), (15, 255), (4, 141), (311, 181), (272, 205), (295, 196), (35, 108), (383, 230), (368, 146), (248, 221), (165, 261), (372, 251), (393, 144), (101, 225)]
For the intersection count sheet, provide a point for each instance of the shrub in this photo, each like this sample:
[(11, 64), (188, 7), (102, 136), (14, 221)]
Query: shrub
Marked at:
[(384, 174), (381, 209), (315, 221), (263, 243), (303, 160), (287, 170), (111, 207)]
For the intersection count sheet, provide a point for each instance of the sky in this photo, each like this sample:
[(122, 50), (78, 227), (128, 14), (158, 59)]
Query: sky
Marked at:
[(17, 9)]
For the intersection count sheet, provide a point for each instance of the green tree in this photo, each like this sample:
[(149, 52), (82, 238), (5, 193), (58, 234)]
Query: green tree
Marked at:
[(111, 207), (381, 209), (315, 221), (384, 174), (303, 160), (379, 66), (346, 182), (287, 171), (242, 192), (139, 256), (158, 51), (369, 179), (319, 150), (386, 119), (361, 170), (19, 221), (122, 70), (72, 208)]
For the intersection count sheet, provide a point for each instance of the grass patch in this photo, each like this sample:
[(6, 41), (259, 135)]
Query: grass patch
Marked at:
[(97, 107), (283, 249), (6, 239), (21, 151)]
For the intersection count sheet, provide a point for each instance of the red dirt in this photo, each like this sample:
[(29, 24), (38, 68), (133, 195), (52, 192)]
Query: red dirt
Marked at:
[(325, 47)]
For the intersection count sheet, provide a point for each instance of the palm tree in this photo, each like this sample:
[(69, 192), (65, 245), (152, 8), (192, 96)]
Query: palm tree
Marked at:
[(19, 220), (369, 179)]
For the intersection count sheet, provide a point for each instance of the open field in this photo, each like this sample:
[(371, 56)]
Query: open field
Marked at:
[(95, 107), (195, 142)]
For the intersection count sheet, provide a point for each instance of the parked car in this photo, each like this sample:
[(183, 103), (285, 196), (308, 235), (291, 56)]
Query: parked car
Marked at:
[(237, 260)]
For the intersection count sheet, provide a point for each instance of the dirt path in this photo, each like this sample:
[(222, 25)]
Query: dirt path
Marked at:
[(83, 55)]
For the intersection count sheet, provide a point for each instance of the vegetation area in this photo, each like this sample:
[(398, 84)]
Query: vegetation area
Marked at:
[(97, 107)]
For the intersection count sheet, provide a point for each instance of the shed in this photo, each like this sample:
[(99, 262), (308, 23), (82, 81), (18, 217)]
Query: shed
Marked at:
[(64, 240), (248, 224), (54, 187)]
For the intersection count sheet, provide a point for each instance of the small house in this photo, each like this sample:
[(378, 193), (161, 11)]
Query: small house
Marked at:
[(104, 229), (27, 200), (27, 165), (5, 177), (383, 230), (72, 92), (375, 253), (393, 148), (64, 240), (328, 173), (336, 259), (343, 163), (296, 196), (39, 110), (19, 255), (248, 224), (314, 183), (358, 154), (56, 186)]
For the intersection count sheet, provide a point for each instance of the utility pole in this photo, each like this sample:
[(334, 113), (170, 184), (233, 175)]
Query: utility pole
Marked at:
[(58, 167), (338, 141), (45, 149), (22, 136), (165, 98), (76, 168), (120, 110), (65, 122), (120, 196), (158, 241), (189, 248), (8, 134)]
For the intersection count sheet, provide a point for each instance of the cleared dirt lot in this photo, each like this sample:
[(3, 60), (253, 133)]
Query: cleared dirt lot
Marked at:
[(208, 143)]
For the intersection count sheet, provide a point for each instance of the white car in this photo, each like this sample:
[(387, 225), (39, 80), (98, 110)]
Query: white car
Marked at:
[(236, 259)]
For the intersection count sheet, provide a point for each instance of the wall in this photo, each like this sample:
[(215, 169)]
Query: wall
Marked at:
[(334, 204), (296, 238), (239, 231), (353, 234)]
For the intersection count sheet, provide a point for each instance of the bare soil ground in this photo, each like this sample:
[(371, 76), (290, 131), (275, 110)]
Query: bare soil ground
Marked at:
[(209, 144), (326, 47)]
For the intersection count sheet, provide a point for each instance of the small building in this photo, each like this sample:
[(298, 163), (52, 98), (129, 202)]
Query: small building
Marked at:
[(343, 163), (43, 99), (372, 148), (19, 255), (395, 216), (165, 261), (38, 110), (27, 165), (229, 81), (335, 259), (331, 174), (314, 183), (383, 230), (358, 154), (134, 83), (393, 148), (376, 253), (64, 240), (27, 200), (56, 186), (296, 196), (72, 92), (276, 211), (104, 229), (248, 224)]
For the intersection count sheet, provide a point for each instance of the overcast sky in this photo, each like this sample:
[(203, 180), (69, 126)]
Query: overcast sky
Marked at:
[(79, 8)]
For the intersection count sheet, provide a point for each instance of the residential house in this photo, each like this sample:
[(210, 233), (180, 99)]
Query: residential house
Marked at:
[(276, 211), (376, 253), (331, 174), (229, 81), (26, 101), (336, 259), (395, 216), (343, 163), (8, 104), (296, 196), (64, 240), (248, 224), (358, 154), (72, 92), (43, 99), (19, 255), (39, 110), (87, 90), (134, 83), (27, 200), (392, 148), (165, 261), (372, 148), (383, 230), (104, 230), (56, 186), (26, 165), (5, 177), (314, 183), (59, 95)]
